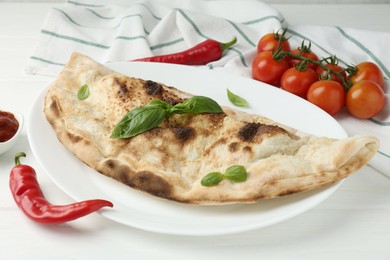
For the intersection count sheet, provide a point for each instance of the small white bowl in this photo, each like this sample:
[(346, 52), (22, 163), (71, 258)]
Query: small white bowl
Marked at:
[(5, 146)]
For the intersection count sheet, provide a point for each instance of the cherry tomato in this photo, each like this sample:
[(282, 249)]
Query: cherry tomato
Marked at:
[(368, 71), (307, 54), (365, 99), (297, 81), (323, 74), (268, 70), (269, 42), (328, 95)]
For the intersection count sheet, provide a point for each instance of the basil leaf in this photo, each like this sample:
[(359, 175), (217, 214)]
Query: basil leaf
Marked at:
[(83, 92), (211, 179), (236, 100), (139, 120), (197, 105), (236, 173), (150, 116), (160, 103)]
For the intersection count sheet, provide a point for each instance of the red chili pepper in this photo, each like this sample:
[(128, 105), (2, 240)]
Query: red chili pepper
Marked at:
[(30, 199), (200, 54)]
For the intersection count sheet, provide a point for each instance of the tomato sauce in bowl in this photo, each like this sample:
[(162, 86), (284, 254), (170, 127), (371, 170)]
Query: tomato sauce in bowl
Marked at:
[(9, 125)]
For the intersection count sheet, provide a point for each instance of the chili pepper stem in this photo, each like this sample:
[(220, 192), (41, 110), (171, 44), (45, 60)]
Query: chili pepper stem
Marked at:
[(227, 45), (17, 157)]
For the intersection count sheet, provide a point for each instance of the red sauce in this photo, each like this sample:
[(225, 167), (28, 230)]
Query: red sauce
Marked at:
[(8, 126)]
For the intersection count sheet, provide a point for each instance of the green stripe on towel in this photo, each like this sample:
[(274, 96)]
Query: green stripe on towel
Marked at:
[(316, 44), (107, 18), (366, 50), (130, 37), (91, 5), (242, 58), (69, 38), (196, 28), (385, 155), (68, 17), (99, 15), (161, 45), (150, 11), (379, 122), (47, 61), (242, 33), (81, 4), (259, 20)]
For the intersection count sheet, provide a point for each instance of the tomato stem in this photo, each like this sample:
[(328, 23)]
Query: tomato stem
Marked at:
[(351, 70), (278, 54), (304, 48), (331, 60), (302, 66), (346, 84)]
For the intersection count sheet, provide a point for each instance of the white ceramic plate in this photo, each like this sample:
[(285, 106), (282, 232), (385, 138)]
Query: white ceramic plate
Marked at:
[(139, 210)]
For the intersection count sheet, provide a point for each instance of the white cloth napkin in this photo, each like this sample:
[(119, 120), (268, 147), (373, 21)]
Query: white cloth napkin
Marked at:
[(122, 30)]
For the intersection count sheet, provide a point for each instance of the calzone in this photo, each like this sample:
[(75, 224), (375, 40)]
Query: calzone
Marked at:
[(170, 160)]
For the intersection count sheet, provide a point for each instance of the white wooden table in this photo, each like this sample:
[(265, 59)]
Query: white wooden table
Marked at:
[(354, 223)]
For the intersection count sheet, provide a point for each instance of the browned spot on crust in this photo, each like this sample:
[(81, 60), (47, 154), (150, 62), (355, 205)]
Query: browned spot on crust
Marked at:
[(288, 192), (142, 180), (272, 183), (123, 90), (253, 132), (154, 133), (247, 149), (248, 132), (172, 100), (233, 147), (153, 88), (55, 108), (271, 130), (117, 171), (184, 134), (74, 138), (159, 91), (110, 164), (150, 183), (215, 119)]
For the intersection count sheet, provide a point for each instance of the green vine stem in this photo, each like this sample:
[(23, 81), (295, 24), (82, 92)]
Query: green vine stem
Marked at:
[(279, 54)]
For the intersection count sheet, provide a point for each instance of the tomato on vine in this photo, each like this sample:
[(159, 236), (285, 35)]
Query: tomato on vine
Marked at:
[(368, 71), (365, 99), (268, 69), (329, 95), (297, 80), (270, 41), (304, 52), (325, 74)]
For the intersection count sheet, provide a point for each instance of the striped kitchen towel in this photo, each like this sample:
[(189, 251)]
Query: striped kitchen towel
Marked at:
[(122, 30), (134, 29)]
